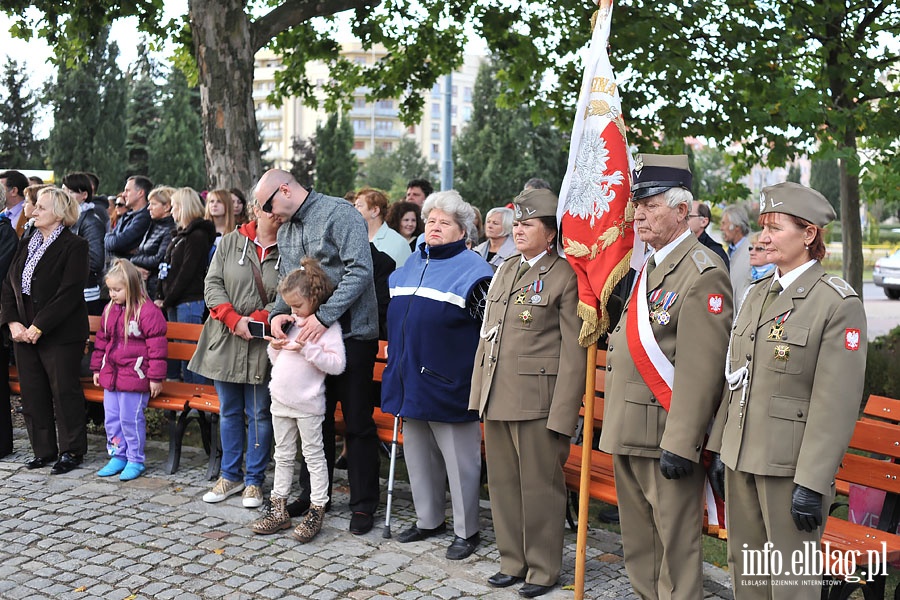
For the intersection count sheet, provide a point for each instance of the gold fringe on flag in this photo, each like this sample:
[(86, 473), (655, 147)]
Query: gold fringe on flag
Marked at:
[(592, 326)]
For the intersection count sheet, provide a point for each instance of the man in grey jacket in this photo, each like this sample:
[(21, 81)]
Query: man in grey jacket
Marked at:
[(330, 230)]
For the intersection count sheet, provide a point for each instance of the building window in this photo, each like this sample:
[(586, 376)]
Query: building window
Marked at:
[(359, 145), (359, 102), (387, 146), (384, 126), (360, 125), (435, 110), (435, 149), (453, 130), (467, 113), (454, 91), (385, 104), (467, 94)]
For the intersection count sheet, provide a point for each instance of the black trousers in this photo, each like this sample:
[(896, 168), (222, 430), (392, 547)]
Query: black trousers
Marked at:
[(52, 400), (6, 429), (353, 388)]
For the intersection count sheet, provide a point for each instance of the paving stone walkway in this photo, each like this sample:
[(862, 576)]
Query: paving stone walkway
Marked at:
[(77, 536)]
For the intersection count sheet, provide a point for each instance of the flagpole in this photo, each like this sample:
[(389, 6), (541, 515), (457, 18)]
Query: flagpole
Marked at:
[(584, 495)]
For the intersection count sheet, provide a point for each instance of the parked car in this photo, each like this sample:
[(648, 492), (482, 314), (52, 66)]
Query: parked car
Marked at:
[(887, 275)]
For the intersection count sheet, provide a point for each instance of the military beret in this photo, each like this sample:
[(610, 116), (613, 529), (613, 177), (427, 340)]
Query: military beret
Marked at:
[(796, 200), (657, 173), (531, 204)]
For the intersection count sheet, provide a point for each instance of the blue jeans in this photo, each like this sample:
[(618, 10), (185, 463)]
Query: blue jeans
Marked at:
[(188, 312), (235, 401)]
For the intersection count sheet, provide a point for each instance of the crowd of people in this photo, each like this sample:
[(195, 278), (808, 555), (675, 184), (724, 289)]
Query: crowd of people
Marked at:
[(294, 288)]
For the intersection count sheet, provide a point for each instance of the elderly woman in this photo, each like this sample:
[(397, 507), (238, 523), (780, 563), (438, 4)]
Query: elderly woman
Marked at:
[(406, 219), (527, 385), (42, 302), (759, 264), (372, 205), (152, 249), (181, 274), (795, 367), (440, 290), (240, 288), (92, 228), (499, 244)]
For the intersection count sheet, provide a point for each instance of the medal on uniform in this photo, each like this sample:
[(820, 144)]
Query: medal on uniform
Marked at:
[(538, 287), (662, 313), (525, 317), (782, 352), (520, 298), (776, 333), (653, 303)]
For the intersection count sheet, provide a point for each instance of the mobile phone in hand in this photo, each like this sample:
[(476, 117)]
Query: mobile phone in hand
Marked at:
[(257, 329)]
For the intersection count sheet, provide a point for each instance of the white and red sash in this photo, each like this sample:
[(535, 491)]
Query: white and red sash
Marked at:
[(657, 371)]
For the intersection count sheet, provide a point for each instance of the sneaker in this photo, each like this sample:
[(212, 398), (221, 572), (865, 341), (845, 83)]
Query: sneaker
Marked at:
[(113, 467), (222, 490), (252, 497), (131, 471), (311, 525), (275, 519)]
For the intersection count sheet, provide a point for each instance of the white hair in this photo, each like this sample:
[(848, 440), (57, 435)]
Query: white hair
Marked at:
[(506, 218), (451, 203), (677, 195)]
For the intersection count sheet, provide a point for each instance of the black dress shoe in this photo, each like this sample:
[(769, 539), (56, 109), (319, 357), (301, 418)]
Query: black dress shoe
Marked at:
[(463, 547), (39, 462), (66, 463), (502, 580), (297, 508), (414, 534), (361, 523), (533, 590)]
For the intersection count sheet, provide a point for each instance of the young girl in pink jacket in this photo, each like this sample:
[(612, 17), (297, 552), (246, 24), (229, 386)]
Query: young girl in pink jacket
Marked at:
[(297, 387), (129, 362)]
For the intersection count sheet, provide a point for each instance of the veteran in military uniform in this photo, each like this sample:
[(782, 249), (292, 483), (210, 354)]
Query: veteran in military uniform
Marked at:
[(796, 365), (664, 385), (527, 384)]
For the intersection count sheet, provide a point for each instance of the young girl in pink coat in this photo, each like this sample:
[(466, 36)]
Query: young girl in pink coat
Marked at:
[(298, 401), (129, 362)]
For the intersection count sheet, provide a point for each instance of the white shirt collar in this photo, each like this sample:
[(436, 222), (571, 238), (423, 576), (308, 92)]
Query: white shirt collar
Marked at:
[(790, 277), (663, 252), (533, 260)]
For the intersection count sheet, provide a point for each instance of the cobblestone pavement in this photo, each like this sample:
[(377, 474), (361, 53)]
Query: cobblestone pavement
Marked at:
[(78, 536)]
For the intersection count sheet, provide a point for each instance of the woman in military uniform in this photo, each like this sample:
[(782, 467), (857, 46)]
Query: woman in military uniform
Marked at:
[(527, 385), (795, 368)]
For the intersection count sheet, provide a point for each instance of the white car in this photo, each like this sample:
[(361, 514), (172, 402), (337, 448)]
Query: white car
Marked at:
[(887, 275)]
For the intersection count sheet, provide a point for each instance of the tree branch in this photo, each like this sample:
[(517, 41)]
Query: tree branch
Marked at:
[(867, 21), (293, 12)]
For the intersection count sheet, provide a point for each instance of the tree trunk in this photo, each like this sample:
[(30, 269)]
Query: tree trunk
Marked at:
[(224, 55), (851, 229)]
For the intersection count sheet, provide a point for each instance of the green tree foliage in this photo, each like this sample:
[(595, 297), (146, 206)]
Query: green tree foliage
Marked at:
[(89, 116), (335, 163), (794, 173), (19, 149), (143, 112), (392, 170), (500, 149), (825, 176), (712, 176), (176, 147)]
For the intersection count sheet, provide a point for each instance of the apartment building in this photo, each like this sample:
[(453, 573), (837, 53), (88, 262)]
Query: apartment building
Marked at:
[(375, 124)]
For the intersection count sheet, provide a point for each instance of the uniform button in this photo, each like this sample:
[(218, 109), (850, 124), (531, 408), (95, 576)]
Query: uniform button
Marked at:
[(652, 399), (749, 357), (618, 327), (609, 367), (610, 349), (752, 336), (799, 413), (697, 447), (504, 302), (543, 370)]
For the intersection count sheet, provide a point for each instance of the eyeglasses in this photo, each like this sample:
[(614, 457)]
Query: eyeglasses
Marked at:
[(693, 216), (120, 204), (267, 206), (757, 248)]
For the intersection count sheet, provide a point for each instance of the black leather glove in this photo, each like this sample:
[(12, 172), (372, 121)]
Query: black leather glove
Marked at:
[(716, 475), (806, 508), (674, 466)]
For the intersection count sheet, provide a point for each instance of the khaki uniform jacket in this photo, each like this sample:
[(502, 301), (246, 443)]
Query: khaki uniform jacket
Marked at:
[(804, 390), (534, 368), (694, 340)]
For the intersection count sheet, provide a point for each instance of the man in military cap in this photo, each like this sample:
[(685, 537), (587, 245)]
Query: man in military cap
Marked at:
[(659, 406), (796, 370)]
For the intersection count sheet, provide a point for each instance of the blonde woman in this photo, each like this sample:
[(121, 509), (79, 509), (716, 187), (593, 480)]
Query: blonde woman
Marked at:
[(152, 249), (181, 274), (43, 305)]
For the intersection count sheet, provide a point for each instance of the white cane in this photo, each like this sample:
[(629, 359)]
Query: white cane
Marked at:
[(390, 486)]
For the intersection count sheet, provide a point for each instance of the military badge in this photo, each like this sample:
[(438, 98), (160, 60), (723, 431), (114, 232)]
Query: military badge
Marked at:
[(776, 333), (663, 317), (535, 299), (851, 339), (520, 298), (782, 352), (525, 317), (715, 303)]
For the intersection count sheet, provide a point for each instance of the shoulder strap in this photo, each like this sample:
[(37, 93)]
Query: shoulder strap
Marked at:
[(260, 286)]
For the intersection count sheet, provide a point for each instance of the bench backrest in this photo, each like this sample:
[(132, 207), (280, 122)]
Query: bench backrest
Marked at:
[(882, 407)]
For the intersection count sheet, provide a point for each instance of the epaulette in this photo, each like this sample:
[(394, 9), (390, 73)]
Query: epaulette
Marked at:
[(840, 286), (702, 260)]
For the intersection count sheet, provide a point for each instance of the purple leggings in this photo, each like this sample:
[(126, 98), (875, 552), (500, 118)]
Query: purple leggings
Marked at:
[(126, 429)]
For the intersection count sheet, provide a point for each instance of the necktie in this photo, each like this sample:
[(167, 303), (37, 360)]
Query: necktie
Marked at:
[(651, 264), (774, 291), (523, 268)]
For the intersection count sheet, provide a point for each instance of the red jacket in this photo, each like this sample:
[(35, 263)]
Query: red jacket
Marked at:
[(130, 366)]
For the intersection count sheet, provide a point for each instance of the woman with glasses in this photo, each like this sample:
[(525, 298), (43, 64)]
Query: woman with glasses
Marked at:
[(759, 265)]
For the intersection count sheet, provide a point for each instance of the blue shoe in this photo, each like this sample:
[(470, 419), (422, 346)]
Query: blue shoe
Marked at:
[(113, 467), (132, 471)]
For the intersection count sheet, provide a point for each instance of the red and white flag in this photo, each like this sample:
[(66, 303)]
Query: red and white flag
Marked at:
[(595, 216)]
